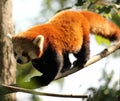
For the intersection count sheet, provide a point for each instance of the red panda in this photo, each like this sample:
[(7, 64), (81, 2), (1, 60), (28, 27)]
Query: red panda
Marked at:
[(47, 45)]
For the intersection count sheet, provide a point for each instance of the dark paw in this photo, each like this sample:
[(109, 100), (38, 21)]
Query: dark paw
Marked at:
[(78, 64), (65, 69), (39, 81)]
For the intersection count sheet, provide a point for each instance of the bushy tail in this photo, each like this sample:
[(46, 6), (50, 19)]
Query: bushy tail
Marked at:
[(101, 26)]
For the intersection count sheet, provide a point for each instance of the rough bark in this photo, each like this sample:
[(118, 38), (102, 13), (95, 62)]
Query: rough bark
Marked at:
[(7, 61)]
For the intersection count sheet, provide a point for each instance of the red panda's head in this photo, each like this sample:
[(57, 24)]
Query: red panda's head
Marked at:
[(26, 50)]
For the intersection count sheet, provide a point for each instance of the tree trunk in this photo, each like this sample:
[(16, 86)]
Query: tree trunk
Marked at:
[(7, 61)]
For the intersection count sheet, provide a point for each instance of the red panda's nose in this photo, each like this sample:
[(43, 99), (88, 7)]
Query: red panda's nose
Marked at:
[(19, 61)]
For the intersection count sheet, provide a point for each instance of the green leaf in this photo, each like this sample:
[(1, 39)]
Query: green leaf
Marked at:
[(100, 40)]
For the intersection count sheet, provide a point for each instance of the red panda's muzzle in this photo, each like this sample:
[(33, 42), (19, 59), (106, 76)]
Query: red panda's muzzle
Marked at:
[(19, 61), (22, 60)]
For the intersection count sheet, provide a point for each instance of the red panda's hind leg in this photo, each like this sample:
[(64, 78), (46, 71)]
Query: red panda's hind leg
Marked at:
[(67, 63), (82, 56)]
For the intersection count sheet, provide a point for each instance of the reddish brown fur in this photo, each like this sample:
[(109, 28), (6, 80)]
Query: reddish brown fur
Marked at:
[(99, 25)]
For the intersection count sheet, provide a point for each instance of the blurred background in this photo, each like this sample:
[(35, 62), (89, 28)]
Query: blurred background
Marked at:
[(101, 80)]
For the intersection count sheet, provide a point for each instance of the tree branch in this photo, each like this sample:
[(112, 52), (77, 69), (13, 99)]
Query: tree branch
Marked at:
[(18, 89), (107, 3), (10, 89)]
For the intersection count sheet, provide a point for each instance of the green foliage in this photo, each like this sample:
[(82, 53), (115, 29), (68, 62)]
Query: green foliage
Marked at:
[(116, 18), (25, 72), (105, 9), (36, 98), (80, 2), (117, 1), (100, 40), (61, 4), (104, 92)]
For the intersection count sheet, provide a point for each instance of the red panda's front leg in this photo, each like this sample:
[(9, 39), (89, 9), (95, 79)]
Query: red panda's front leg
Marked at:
[(67, 64), (82, 56), (49, 64)]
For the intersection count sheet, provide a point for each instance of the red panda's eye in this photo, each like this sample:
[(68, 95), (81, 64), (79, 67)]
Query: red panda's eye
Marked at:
[(24, 54), (15, 54)]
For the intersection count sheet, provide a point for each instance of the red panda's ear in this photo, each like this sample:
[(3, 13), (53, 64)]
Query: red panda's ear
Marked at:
[(39, 40), (9, 35)]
